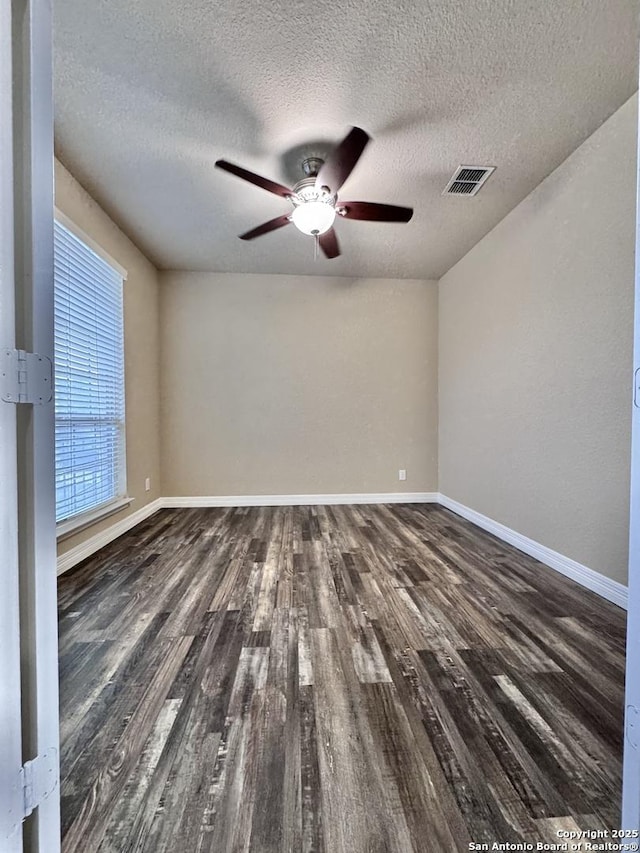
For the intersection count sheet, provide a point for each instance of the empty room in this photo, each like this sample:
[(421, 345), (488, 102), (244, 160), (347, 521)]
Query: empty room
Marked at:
[(318, 402)]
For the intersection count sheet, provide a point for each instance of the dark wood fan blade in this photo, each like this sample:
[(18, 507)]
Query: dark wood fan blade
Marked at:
[(373, 212), (258, 180), (329, 243), (340, 163), (271, 225)]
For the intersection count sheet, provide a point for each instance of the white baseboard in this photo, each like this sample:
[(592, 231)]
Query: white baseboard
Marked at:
[(75, 555), (85, 549), (589, 578), (302, 500), (604, 586)]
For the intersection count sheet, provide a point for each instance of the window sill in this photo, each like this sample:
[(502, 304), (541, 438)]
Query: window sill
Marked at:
[(86, 519)]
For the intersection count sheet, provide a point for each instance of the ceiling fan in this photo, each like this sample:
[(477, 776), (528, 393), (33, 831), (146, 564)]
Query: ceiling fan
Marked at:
[(315, 197)]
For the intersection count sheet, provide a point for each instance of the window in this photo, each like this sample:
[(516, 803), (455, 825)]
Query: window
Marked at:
[(89, 379)]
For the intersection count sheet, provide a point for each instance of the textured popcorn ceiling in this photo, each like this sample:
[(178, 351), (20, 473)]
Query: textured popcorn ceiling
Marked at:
[(149, 93)]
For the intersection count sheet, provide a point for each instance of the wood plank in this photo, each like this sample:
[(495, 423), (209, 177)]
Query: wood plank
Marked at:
[(370, 679)]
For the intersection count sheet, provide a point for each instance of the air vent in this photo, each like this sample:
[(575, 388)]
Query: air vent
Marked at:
[(467, 180)]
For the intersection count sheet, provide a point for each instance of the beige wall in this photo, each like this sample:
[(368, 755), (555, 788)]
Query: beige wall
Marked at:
[(536, 358), (141, 344), (297, 385)]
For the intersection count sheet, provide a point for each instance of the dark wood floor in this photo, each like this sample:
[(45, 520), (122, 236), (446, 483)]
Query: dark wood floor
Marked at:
[(332, 679)]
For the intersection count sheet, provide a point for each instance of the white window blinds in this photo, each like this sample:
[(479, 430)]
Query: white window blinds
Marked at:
[(89, 378)]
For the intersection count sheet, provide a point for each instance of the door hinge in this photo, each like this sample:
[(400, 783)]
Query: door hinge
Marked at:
[(632, 726), (39, 779), (25, 377)]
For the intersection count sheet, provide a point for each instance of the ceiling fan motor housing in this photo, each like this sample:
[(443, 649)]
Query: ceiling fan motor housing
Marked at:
[(306, 190)]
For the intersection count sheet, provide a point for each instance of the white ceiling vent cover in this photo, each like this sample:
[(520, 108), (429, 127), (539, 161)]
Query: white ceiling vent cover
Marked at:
[(467, 180)]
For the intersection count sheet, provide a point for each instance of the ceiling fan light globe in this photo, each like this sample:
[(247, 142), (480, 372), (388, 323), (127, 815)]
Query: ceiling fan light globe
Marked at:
[(313, 217)]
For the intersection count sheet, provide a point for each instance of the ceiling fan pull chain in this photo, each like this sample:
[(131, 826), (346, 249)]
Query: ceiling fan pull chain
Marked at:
[(315, 247)]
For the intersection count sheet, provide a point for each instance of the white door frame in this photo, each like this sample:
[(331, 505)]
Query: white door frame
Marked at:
[(28, 496), (631, 769), (10, 694)]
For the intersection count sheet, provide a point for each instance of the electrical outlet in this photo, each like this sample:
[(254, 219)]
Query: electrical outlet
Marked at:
[(402, 474), (147, 484)]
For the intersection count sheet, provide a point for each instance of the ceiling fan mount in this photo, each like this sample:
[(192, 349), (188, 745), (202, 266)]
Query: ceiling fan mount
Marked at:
[(315, 197), (311, 166)]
